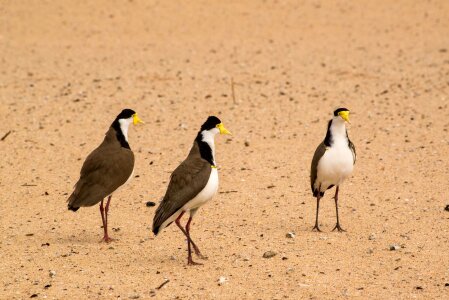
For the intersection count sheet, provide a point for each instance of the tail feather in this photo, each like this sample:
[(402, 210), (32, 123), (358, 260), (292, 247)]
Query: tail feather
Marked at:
[(70, 202), (156, 230), (72, 208)]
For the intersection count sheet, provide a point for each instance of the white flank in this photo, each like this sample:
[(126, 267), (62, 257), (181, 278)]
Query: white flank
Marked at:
[(206, 194)]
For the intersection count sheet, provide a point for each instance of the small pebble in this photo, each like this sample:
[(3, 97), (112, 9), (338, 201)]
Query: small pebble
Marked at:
[(269, 254), (134, 296), (372, 237), (245, 258), (394, 247), (222, 280), (290, 235), (52, 273), (446, 208), (150, 204)]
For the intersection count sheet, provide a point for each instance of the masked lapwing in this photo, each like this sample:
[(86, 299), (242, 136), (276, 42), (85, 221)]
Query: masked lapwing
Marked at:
[(106, 169), (193, 183), (333, 161)]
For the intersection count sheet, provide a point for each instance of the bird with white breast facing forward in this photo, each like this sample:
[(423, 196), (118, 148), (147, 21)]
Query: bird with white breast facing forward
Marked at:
[(106, 169), (193, 183), (332, 162)]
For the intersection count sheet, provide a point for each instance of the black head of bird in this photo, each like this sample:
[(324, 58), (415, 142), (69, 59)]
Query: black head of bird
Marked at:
[(122, 122), (214, 125), (342, 114), (127, 116)]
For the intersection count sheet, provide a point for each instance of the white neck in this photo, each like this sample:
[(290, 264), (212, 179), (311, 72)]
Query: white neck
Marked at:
[(208, 137), (338, 130), (124, 125)]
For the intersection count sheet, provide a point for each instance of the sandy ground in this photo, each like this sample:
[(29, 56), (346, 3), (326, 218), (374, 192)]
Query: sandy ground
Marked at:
[(67, 69)]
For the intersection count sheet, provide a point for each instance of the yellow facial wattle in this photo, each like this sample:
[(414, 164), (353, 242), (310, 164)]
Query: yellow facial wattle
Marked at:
[(222, 129), (136, 119), (344, 115)]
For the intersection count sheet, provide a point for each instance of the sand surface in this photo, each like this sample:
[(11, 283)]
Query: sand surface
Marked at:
[(67, 69)]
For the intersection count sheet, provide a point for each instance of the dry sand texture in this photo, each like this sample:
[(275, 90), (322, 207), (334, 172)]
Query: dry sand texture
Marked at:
[(68, 68)]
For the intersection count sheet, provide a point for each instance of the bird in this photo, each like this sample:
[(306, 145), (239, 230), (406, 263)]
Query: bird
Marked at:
[(192, 184), (106, 169), (333, 161)]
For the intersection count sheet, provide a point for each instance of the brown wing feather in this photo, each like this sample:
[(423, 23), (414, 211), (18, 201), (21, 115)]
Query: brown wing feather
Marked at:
[(188, 179), (105, 170), (319, 152)]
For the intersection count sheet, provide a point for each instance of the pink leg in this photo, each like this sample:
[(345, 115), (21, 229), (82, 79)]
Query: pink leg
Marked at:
[(106, 237), (318, 197), (189, 259), (195, 247), (337, 226), (102, 218)]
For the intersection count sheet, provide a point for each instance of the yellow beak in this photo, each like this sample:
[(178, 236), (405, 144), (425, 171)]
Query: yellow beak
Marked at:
[(344, 115), (137, 120), (222, 129)]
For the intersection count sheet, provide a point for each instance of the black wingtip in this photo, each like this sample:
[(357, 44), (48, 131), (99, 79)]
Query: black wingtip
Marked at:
[(156, 230), (73, 208)]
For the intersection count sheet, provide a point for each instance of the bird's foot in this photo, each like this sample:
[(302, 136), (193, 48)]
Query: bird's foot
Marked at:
[(201, 256), (338, 228), (106, 239), (316, 228), (190, 262), (198, 253)]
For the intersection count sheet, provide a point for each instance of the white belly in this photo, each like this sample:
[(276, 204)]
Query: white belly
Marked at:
[(206, 194), (336, 164)]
